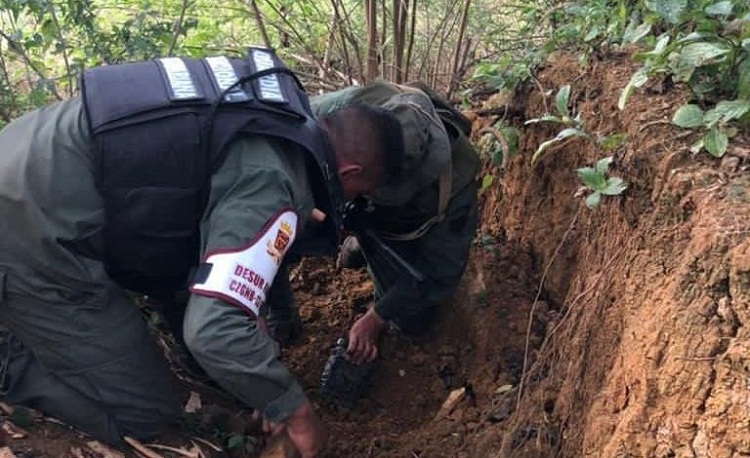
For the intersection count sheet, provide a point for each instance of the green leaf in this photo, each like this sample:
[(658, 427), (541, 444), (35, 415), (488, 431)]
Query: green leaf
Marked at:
[(487, 181), (565, 133), (497, 155), (743, 78), (655, 54), (545, 118), (688, 116), (669, 10), (561, 100), (503, 389), (612, 142), (701, 53), (603, 164), (593, 199), (731, 109), (541, 149), (634, 34), (661, 45), (511, 137), (614, 187), (693, 36), (716, 141), (696, 147), (719, 9), (570, 132), (593, 33), (638, 79), (592, 178)]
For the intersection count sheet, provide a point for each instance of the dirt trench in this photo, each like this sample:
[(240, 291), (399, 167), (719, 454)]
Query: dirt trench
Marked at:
[(613, 332)]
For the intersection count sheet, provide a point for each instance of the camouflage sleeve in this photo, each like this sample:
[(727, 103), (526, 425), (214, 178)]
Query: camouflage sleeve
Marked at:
[(259, 199)]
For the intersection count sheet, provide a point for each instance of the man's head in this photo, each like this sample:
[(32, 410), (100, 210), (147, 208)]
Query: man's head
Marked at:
[(368, 145)]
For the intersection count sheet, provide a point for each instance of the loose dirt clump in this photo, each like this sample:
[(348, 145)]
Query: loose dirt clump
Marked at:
[(614, 332)]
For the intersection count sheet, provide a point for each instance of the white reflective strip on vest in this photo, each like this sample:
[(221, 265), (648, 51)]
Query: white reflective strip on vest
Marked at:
[(180, 81), (270, 89), (244, 276), (224, 76)]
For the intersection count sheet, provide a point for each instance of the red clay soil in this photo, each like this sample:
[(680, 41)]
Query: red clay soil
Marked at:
[(613, 332)]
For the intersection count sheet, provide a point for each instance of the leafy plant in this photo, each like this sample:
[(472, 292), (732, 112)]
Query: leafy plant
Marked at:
[(499, 143), (715, 121), (590, 25), (654, 61), (706, 46), (508, 72), (574, 125), (596, 181)]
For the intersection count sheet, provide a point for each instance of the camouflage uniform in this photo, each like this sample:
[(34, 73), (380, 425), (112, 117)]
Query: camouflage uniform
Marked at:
[(79, 349), (403, 207)]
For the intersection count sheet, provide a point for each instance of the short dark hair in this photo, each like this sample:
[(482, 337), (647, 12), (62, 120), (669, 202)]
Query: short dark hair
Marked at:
[(366, 126)]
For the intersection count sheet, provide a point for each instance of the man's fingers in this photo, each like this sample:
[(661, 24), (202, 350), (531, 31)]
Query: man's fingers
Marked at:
[(317, 216), (369, 353), (356, 349), (352, 346), (372, 354)]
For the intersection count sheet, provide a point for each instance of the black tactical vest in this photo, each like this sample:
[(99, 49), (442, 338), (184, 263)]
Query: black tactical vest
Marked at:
[(161, 128)]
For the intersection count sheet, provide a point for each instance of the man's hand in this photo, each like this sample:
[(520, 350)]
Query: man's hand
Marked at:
[(305, 429), (363, 337)]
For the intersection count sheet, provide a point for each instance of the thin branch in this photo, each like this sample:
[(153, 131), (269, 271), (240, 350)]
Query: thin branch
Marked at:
[(332, 29), (10, 92), (371, 17), (178, 27), (308, 62), (298, 36), (259, 23), (412, 33), (458, 53), (18, 49), (64, 47), (346, 36)]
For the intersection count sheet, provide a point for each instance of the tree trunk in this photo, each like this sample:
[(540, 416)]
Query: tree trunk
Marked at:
[(400, 10), (371, 9), (459, 48)]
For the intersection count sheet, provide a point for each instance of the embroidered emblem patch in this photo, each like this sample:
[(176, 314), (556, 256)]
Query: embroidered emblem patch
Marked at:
[(277, 248), (243, 276)]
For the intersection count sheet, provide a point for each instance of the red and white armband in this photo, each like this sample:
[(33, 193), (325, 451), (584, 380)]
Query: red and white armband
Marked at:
[(243, 276)]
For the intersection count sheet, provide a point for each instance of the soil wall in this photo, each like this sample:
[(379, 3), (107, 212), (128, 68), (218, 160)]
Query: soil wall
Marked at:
[(645, 300)]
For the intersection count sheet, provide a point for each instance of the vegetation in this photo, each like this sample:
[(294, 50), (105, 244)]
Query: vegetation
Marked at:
[(701, 44), (596, 181), (573, 125)]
